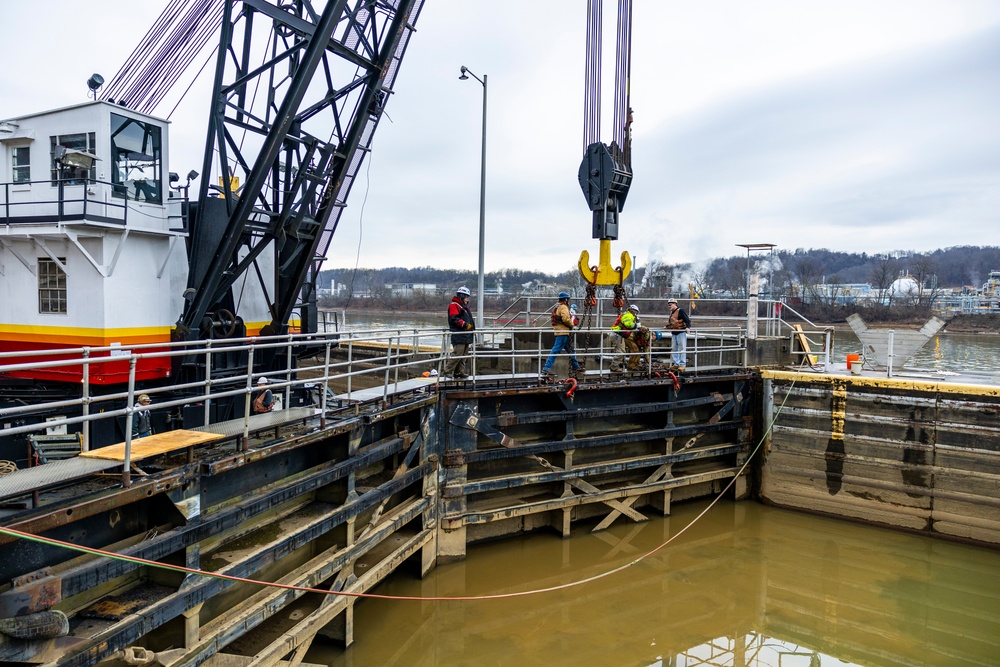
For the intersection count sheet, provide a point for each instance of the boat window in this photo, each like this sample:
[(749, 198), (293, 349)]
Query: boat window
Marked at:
[(135, 152), (21, 164), (81, 141), (51, 286)]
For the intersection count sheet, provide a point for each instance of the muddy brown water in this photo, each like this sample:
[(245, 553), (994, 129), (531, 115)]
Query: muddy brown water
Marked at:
[(745, 585)]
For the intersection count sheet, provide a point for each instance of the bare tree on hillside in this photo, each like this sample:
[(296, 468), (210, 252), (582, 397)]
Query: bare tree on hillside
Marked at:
[(882, 276), (808, 274), (922, 268)]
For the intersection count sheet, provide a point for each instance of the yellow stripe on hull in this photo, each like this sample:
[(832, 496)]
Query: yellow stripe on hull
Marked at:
[(79, 336)]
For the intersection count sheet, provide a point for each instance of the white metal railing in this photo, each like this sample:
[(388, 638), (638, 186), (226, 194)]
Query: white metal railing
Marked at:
[(384, 358)]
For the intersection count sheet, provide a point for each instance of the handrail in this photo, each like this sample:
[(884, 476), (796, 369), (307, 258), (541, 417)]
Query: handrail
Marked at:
[(86, 201), (785, 306), (392, 355)]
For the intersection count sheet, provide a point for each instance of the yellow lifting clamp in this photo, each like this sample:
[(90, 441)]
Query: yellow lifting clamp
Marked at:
[(604, 273)]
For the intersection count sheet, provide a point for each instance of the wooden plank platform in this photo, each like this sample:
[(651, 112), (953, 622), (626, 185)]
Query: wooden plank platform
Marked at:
[(382, 346), (158, 443)]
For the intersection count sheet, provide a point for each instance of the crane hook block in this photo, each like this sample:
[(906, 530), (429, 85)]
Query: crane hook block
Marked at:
[(604, 273)]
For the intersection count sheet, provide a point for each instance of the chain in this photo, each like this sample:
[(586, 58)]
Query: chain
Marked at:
[(589, 302)]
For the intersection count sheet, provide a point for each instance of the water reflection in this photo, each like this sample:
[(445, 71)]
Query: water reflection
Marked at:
[(747, 585), (956, 353)]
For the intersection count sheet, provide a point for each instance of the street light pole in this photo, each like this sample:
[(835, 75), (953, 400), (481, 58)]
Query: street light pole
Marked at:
[(482, 203)]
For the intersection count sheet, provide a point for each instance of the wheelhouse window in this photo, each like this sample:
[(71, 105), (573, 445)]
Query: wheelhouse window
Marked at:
[(136, 171), (21, 164), (51, 286), (82, 141)]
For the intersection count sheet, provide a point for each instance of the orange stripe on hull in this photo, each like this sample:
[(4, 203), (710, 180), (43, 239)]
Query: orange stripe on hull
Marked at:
[(105, 373)]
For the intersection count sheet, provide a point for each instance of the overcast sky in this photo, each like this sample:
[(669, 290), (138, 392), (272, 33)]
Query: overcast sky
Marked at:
[(856, 125)]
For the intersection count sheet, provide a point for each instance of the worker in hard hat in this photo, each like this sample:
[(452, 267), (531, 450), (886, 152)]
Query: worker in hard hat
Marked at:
[(562, 325), (623, 329), (142, 420), (461, 324), (679, 325), (263, 401)]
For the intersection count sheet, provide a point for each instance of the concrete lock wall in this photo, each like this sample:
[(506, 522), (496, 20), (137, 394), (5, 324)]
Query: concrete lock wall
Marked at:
[(907, 454)]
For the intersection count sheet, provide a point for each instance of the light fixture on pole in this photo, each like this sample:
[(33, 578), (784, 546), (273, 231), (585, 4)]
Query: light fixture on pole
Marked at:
[(466, 73)]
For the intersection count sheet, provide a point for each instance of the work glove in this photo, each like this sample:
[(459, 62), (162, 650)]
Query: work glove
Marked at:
[(468, 326)]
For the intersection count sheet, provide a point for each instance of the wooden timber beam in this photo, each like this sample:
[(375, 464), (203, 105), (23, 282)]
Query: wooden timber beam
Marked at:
[(454, 521)]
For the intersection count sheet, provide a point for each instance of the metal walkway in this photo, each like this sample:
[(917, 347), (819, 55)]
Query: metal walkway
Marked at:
[(56, 473)]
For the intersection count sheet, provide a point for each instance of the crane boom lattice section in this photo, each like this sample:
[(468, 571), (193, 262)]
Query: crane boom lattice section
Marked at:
[(300, 89)]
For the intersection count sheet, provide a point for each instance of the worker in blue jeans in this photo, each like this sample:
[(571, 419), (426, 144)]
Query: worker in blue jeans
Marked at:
[(562, 324)]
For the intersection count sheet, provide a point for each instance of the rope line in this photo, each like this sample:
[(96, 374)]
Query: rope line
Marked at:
[(415, 598)]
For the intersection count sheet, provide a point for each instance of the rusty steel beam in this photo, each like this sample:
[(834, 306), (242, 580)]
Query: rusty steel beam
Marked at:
[(453, 521), (264, 604), (510, 419), (599, 441), (63, 514), (519, 480), (89, 575), (307, 628), (132, 628)]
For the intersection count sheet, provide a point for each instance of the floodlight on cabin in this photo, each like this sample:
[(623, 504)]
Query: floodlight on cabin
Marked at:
[(94, 82), (70, 157)]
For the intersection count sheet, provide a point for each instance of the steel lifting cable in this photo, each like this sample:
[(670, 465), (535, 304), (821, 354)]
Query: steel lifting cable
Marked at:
[(121, 86), (165, 53), (623, 73), (111, 90), (592, 76), (458, 598)]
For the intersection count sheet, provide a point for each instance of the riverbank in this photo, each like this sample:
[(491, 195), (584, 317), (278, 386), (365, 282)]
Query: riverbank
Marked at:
[(964, 324)]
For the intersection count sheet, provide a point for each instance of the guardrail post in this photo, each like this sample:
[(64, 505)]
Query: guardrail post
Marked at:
[(245, 444), (350, 365), (129, 409), (208, 381), (538, 362), (324, 390), (475, 354), (888, 372), (85, 382), (388, 365), (288, 374)]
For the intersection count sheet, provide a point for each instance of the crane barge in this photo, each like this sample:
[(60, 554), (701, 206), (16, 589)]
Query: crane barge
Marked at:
[(101, 246)]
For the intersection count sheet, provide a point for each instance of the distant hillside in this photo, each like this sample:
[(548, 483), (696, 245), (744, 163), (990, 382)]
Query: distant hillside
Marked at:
[(789, 271)]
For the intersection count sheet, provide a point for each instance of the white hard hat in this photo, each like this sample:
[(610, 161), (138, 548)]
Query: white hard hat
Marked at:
[(634, 308), (262, 381), (463, 290)]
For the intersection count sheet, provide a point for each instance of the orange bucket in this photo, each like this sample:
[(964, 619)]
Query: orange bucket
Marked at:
[(851, 358)]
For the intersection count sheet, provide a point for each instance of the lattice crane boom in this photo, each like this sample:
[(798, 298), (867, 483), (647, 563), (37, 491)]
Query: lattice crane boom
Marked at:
[(299, 89)]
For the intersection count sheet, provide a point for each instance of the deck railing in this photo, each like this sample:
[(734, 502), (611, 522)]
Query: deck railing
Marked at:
[(340, 369), (353, 364)]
